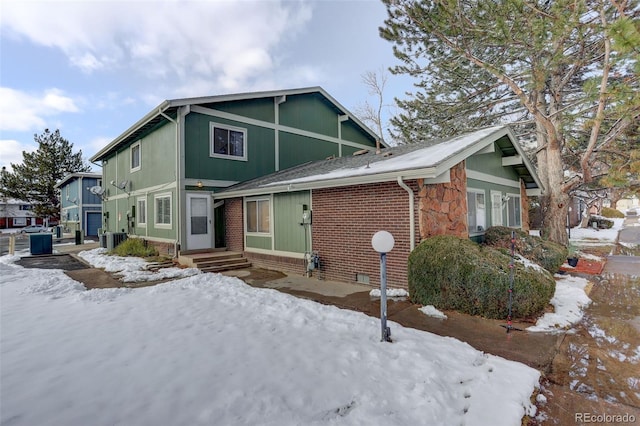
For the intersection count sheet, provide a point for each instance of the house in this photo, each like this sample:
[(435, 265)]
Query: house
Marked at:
[(332, 208), (160, 174), (17, 214), (80, 208)]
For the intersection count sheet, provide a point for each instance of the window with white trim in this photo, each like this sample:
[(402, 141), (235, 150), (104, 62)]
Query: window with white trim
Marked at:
[(136, 155), (228, 142), (514, 217), (258, 216), (496, 208), (476, 211), (163, 210), (142, 211)]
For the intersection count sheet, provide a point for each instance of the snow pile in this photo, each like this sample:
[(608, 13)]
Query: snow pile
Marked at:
[(209, 349), (431, 311), (529, 264), (569, 301), (590, 236), (391, 292), (132, 269)]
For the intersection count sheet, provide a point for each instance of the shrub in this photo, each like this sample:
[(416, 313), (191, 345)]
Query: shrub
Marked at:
[(545, 253), (135, 247), (457, 274), (612, 213), (601, 222)]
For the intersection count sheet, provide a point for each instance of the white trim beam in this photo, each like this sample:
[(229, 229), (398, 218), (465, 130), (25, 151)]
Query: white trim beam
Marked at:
[(514, 160)]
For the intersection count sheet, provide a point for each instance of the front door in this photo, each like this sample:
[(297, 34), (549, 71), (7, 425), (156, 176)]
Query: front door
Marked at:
[(199, 229)]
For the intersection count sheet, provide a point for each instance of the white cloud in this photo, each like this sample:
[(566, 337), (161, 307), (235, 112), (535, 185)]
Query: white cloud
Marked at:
[(229, 43), (20, 111), (11, 152)]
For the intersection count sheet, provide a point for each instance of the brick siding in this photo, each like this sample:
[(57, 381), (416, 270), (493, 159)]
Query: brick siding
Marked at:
[(234, 226), (345, 219)]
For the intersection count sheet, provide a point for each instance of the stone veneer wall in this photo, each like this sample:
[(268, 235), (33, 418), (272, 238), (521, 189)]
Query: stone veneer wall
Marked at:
[(443, 206)]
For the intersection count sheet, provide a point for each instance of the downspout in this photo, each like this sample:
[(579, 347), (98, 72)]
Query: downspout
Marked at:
[(412, 215), (178, 182)]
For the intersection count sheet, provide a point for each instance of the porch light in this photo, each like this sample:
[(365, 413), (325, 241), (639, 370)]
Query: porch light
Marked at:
[(199, 184)]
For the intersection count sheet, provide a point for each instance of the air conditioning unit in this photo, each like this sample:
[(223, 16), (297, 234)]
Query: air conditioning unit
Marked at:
[(114, 239)]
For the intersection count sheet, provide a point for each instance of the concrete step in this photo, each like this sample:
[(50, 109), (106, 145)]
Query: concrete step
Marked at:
[(193, 260), (227, 267)]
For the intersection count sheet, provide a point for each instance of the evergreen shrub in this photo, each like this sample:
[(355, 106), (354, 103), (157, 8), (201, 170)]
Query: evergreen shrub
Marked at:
[(601, 222), (453, 273), (545, 253)]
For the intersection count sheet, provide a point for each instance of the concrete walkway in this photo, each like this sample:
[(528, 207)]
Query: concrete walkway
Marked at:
[(534, 349)]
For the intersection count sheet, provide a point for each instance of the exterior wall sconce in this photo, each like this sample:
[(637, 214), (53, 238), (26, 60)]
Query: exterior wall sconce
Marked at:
[(199, 184)]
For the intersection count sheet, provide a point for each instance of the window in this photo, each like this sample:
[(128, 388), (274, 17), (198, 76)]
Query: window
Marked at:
[(163, 210), (496, 208), (258, 215), (99, 182), (476, 210), (135, 157), (142, 211), (513, 210), (228, 142)]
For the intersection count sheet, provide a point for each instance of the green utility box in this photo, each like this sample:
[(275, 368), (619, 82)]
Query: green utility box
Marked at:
[(41, 243)]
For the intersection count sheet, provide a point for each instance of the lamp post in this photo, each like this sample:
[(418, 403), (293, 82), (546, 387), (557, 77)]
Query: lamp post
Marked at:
[(383, 242)]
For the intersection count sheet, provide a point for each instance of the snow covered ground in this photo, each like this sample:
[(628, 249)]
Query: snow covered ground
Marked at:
[(209, 349)]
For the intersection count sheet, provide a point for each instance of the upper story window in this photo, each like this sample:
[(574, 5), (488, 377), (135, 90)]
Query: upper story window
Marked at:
[(228, 142), (135, 156)]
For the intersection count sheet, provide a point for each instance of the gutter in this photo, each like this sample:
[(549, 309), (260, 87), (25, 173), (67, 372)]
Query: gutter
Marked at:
[(412, 215)]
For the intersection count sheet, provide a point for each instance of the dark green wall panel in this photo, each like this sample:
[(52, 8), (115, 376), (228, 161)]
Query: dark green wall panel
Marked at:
[(296, 149), (259, 109), (311, 113)]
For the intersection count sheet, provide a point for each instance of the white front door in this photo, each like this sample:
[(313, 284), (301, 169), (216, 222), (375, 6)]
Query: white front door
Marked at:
[(199, 229)]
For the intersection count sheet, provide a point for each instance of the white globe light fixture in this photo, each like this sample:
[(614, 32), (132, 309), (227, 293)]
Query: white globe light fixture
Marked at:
[(383, 242)]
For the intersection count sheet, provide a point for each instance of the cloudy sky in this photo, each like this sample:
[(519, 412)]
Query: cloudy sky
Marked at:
[(93, 68)]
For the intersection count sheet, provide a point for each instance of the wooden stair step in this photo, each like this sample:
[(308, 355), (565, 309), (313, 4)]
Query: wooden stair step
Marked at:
[(211, 263), (227, 267)]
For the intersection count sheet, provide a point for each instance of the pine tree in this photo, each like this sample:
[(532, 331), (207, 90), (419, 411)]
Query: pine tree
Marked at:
[(564, 71), (34, 180)]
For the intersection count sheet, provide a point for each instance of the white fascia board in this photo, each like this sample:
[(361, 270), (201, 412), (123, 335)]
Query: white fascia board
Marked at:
[(428, 173), (525, 159), (144, 120), (534, 192), (244, 96)]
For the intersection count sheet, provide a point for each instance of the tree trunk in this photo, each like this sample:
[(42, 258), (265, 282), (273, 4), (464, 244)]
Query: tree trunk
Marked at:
[(555, 221)]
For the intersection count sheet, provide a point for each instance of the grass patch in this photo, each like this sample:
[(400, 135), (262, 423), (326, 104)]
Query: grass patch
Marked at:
[(612, 213), (136, 247)]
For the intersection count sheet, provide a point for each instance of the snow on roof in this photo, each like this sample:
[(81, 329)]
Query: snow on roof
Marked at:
[(430, 156)]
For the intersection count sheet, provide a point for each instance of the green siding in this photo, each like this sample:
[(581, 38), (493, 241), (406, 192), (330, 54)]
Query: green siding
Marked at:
[(352, 132), (289, 235), (254, 241), (296, 149), (309, 112), (199, 165), (258, 109), (491, 164), (349, 150)]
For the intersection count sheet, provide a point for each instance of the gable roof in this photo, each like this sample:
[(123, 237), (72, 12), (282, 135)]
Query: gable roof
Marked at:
[(428, 159), (71, 176), (168, 110)]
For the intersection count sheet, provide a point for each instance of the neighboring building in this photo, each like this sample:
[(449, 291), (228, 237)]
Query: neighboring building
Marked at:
[(458, 186), (17, 214), (160, 174), (80, 209)]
